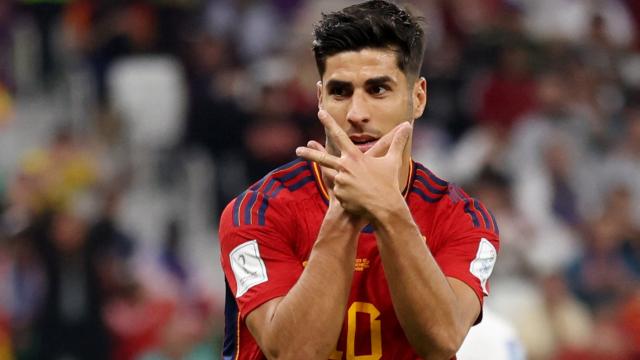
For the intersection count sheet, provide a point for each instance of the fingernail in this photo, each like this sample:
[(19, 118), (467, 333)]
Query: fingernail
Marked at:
[(299, 151)]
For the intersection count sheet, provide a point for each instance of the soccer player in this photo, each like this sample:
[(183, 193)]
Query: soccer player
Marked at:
[(355, 251)]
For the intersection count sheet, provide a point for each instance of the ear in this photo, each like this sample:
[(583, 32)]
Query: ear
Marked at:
[(419, 97), (319, 93)]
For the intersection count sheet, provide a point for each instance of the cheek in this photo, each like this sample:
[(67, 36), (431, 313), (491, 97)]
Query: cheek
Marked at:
[(395, 112), (338, 110)]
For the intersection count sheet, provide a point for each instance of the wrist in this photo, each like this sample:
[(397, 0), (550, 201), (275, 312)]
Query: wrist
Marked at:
[(336, 213), (386, 211)]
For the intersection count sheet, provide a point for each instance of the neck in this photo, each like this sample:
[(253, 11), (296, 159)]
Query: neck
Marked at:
[(405, 169), (404, 174)]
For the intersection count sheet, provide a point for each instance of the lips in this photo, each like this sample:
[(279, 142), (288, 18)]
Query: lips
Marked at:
[(363, 142)]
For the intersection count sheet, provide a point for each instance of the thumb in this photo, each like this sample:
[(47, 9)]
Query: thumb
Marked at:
[(381, 147), (400, 139)]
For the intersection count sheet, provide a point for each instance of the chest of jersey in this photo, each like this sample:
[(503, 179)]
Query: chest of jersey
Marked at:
[(281, 215), (370, 328)]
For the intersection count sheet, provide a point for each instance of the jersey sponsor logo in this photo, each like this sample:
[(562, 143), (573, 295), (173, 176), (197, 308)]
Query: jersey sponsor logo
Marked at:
[(482, 266), (362, 264), (248, 267)]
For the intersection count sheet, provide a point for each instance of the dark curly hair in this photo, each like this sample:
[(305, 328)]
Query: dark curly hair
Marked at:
[(373, 24)]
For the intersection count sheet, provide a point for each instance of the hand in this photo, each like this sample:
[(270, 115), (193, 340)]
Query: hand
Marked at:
[(365, 182), (379, 149), (328, 174)]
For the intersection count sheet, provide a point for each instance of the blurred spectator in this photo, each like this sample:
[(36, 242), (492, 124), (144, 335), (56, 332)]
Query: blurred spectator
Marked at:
[(553, 166), (570, 20), (443, 66), (157, 312), (55, 174), (510, 92), (468, 17), (73, 294), (111, 245), (572, 326), (45, 15), (125, 30), (259, 20), (602, 276), (274, 130), (558, 161), (23, 290), (171, 257), (135, 319), (622, 167), (215, 119)]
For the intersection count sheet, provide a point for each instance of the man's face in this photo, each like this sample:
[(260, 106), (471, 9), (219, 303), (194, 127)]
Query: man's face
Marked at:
[(368, 95)]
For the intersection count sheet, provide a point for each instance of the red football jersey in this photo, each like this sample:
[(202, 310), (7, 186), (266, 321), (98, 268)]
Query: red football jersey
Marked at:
[(267, 233)]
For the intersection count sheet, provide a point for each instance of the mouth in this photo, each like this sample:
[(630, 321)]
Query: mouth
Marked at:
[(363, 142)]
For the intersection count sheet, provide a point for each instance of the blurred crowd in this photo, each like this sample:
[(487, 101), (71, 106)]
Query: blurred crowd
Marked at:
[(126, 126)]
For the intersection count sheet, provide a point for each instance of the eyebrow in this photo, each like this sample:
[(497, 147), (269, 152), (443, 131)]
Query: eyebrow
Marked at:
[(338, 84), (380, 80)]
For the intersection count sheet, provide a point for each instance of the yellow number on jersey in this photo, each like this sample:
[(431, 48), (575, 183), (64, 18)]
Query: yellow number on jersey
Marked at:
[(374, 326)]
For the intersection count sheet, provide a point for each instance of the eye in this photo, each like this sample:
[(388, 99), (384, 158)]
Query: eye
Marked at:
[(339, 91), (378, 90)]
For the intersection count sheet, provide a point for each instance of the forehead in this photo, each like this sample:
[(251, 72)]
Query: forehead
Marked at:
[(356, 66)]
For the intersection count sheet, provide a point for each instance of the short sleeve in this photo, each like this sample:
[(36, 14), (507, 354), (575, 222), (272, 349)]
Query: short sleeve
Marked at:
[(468, 245), (258, 262)]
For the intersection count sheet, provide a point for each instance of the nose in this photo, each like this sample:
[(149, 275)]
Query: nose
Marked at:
[(358, 110)]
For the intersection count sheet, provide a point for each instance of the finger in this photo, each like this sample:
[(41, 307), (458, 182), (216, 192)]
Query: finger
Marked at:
[(400, 139), (336, 134), (316, 146), (328, 173), (382, 145), (329, 177), (321, 157)]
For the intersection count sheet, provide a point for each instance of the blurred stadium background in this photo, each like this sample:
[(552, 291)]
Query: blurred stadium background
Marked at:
[(125, 126)]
